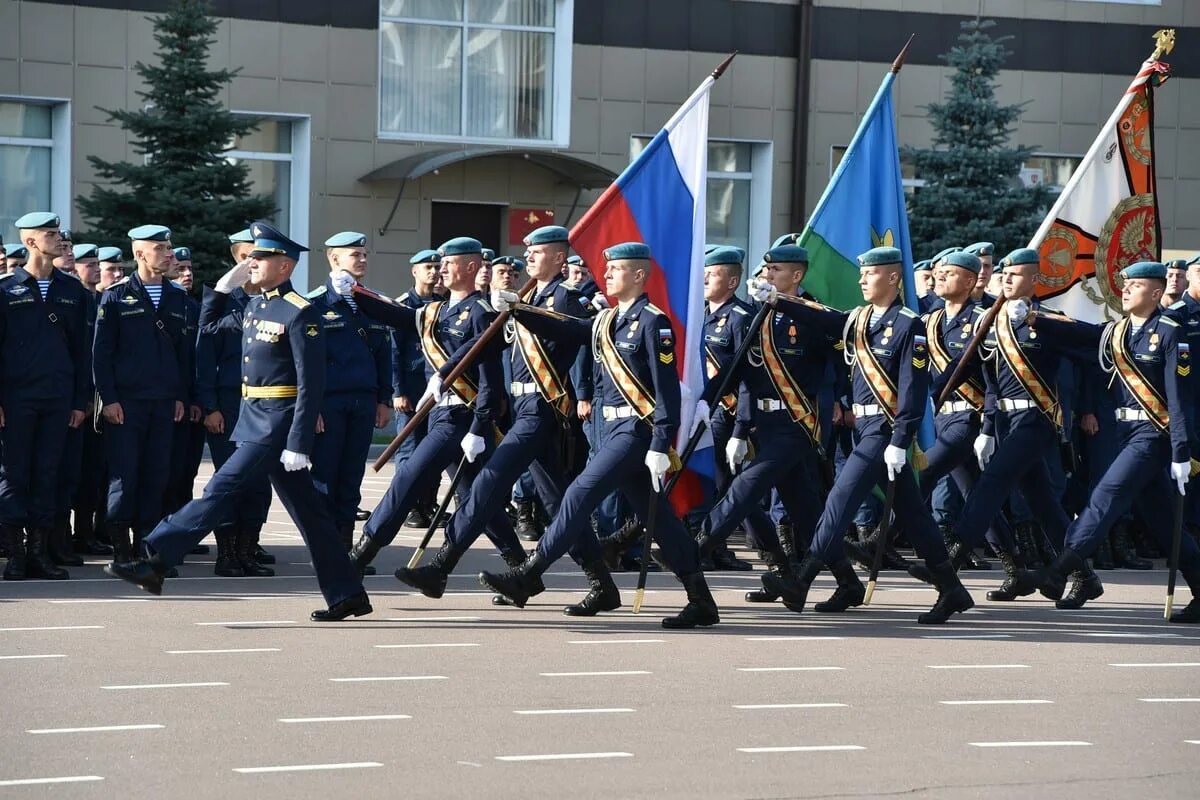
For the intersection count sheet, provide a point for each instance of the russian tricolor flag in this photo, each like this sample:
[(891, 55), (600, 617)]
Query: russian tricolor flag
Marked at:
[(660, 199)]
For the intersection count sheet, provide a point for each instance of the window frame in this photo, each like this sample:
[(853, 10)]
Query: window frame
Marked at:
[(560, 90), (61, 197)]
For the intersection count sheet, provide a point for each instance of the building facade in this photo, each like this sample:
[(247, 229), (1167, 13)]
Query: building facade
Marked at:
[(414, 120)]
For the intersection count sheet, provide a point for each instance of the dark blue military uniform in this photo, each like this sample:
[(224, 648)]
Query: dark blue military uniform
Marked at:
[(1187, 313), (141, 359), (187, 447), (408, 372), (358, 366), (283, 381)]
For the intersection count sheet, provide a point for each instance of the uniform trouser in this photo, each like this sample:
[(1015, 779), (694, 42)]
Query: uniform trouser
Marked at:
[(612, 511), (861, 473), (867, 514), (90, 492), (784, 459), (249, 464), (32, 446), (533, 442), (422, 471), (722, 431), (255, 501), (619, 465), (139, 455), (408, 447), (953, 454), (1138, 478), (1019, 461), (339, 455), (187, 449)]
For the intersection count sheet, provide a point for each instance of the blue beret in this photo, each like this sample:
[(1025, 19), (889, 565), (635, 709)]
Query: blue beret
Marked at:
[(961, 258), (425, 257), (786, 254), (110, 254), (627, 250), (461, 246), (1194, 260), (512, 261), (81, 251), (1176, 263), (981, 249), (183, 254), (576, 261), (15, 250), (1022, 255), (269, 241), (64, 234), (787, 238), (547, 234), (244, 236), (347, 239), (1144, 269), (937, 260), (923, 266), (880, 256), (150, 233), (724, 255), (37, 219), (488, 253)]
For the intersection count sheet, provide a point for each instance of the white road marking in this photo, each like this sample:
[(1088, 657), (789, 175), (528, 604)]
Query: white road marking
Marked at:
[(252, 622), (226, 650), (307, 767), (812, 748), (594, 674), (44, 655), (968, 636), (56, 628), (99, 729), (425, 644), (1160, 664), (793, 638), (65, 779), (1170, 699), (1065, 743), (391, 678), (547, 711), (1109, 635), (101, 600), (167, 685), (365, 718), (1191, 741), (978, 666), (564, 756), (995, 702), (758, 706), (616, 641), (788, 669), (432, 619)]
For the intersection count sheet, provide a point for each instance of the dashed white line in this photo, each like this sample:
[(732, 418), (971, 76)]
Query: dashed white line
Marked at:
[(418, 645), (1064, 743), (88, 600), (56, 628), (968, 636), (564, 756), (760, 706), (391, 678), (616, 641), (793, 638), (225, 650), (978, 666), (1170, 699), (98, 729), (1191, 741), (307, 767), (811, 748), (252, 622), (995, 702), (167, 685), (64, 779), (23, 658), (1111, 635), (594, 674), (361, 718), (1160, 664), (432, 619), (554, 711), (789, 669)]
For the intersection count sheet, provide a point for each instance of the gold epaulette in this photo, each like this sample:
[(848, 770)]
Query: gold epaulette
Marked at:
[(295, 299)]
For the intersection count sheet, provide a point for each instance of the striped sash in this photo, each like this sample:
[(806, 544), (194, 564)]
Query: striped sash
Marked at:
[(550, 384), (1149, 398), (712, 367), (1026, 374), (635, 394), (970, 390), (881, 384), (437, 357), (798, 405)]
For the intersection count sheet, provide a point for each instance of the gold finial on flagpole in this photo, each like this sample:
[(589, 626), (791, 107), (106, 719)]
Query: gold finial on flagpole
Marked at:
[(1164, 43)]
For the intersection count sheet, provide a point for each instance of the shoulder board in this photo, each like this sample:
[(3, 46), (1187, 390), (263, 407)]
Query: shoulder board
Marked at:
[(295, 299), (1169, 321), (5, 276), (908, 312), (978, 311), (177, 285), (121, 282), (317, 292), (653, 309), (1179, 306), (402, 298), (740, 310), (485, 305)]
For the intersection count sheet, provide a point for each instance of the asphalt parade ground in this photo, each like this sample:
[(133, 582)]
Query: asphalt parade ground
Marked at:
[(223, 688)]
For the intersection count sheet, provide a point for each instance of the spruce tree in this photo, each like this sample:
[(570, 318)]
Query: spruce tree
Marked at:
[(182, 132), (972, 188)]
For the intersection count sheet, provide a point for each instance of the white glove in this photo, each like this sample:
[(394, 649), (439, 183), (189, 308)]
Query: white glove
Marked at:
[(473, 446), (342, 282), (1180, 472), (1017, 309), (762, 291), (984, 447), (432, 389), (894, 458), (294, 461), (503, 301), (701, 417), (735, 452), (236, 278), (600, 302), (658, 464)]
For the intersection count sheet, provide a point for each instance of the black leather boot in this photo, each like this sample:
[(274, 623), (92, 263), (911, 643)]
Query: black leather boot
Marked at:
[(363, 553), (1008, 590), (1051, 580), (1103, 557), (604, 595), (519, 583), (863, 552), (725, 560), (614, 546), (146, 573), (849, 593), (37, 562), (346, 537), (244, 548), (430, 579), (419, 517), (1190, 614), (85, 538), (58, 544), (793, 589), (1085, 585), (701, 608), (354, 606), (778, 564), (953, 597), (1026, 538), (227, 565), (527, 526), (14, 545), (122, 545), (1124, 554)]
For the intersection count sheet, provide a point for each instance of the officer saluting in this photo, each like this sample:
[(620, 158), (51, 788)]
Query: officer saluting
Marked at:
[(283, 381), (886, 343), (1149, 354)]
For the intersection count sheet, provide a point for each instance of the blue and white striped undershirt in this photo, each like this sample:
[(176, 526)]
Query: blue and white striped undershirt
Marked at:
[(155, 292), (43, 286)]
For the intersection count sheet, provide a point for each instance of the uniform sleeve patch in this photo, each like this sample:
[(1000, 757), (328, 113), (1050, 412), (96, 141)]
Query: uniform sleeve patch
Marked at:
[(312, 331)]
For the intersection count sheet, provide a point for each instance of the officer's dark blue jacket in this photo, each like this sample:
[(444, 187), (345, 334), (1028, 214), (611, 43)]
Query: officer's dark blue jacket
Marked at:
[(219, 346), (724, 331), (141, 353), (408, 362), (583, 376), (357, 348), (43, 343), (956, 334)]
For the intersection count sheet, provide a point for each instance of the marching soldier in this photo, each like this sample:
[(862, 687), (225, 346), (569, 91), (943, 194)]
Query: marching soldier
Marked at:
[(926, 296), (142, 356), (638, 390), (1147, 353), (358, 383), (542, 405), (283, 377), (43, 392), (1186, 311), (986, 252), (886, 344)]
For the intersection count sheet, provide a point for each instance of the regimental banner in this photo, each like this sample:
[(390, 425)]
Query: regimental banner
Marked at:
[(1107, 216)]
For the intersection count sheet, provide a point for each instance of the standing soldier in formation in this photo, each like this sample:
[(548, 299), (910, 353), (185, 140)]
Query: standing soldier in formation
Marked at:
[(187, 448)]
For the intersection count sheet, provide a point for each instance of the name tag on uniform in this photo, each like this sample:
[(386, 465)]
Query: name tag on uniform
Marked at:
[(333, 326), (626, 346), (132, 312), (1153, 358), (66, 301), (716, 339), (455, 332), (880, 351), (1031, 345), (175, 315), (791, 351)]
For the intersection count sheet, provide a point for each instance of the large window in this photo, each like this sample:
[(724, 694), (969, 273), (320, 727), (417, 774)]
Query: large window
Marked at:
[(34, 161), (494, 71)]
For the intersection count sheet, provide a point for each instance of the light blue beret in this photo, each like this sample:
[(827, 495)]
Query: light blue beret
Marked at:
[(37, 219), (461, 246), (961, 258), (786, 254), (547, 234), (1176, 263), (244, 236), (576, 261), (787, 238), (723, 254), (183, 254), (425, 257), (981, 249), (110, 254), (15, 250), (1194, 260), (937, 260), (269, 241), (347, 239), (64, 234), (1145, 269), (627, 250), (512, 261), (487, 253), (150, 233), (1022, 255), (923, 266), (879, 256), (82, 251)]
